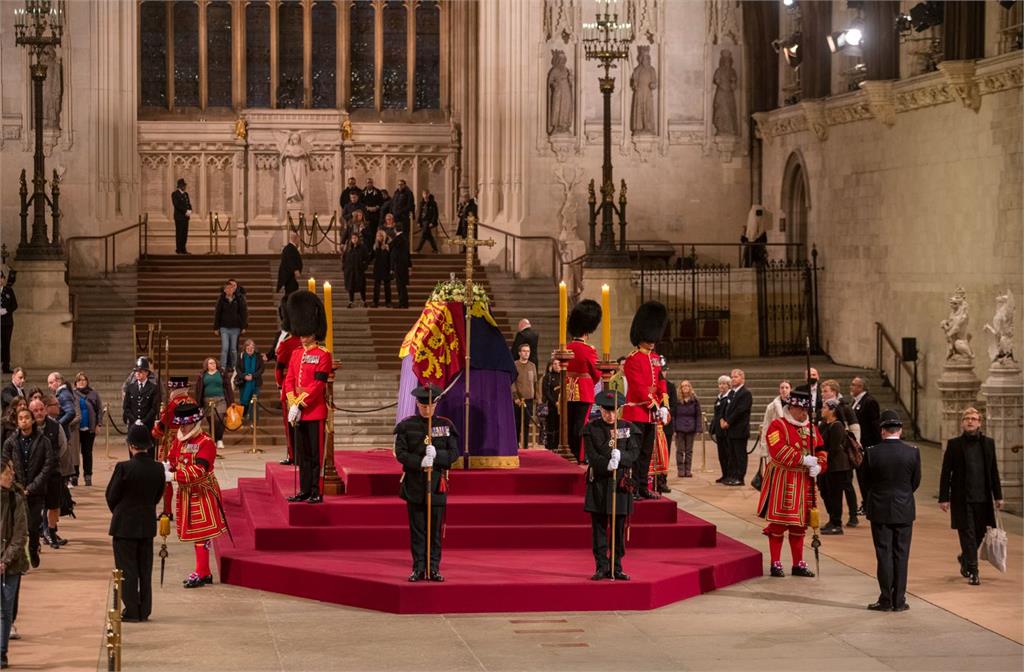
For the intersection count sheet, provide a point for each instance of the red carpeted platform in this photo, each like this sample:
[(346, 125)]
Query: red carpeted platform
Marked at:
[(516, 540)]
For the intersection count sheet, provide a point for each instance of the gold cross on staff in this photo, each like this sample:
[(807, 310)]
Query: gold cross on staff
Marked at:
[(471, 242)]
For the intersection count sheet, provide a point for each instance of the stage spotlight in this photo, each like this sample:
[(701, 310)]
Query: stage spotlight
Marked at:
[(790, 50), (925, 15), (843, 39), (788, 3)]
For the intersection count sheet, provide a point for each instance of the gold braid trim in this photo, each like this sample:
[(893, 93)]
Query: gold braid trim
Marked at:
[(490, 462)]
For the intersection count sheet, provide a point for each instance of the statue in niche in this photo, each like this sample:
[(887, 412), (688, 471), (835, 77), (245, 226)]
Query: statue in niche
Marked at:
[(958, 341), (294, 167), (723, 107), (643, 82), (53, 88), (560, 98), (1001, 350)]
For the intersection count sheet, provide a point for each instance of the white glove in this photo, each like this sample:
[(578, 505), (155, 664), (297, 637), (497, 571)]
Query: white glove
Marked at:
[(138, 422), (616, 454), (294, 413), (810, 461), (427, 462), (188, 213), (168, 477), (814, 471), (613, 464), (431, 452), (663, 414)]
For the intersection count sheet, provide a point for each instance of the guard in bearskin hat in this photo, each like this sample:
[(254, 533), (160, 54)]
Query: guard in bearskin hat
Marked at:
[(287, 343), (795, 458), (582, 371), (163, 430), (199, 511), (305, 387), (646, 392)]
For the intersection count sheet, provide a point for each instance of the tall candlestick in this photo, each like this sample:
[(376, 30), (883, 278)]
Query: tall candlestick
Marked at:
[(563, 313), (606, 322), (311, 283), (329, 339)]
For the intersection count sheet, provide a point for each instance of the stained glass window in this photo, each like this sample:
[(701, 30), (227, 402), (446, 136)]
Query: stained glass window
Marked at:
[(257, 54), (186, 54), (361, 55), (289, 55), (427, 95), (325, 54), (396, 65), (153, 48), (218, 54)]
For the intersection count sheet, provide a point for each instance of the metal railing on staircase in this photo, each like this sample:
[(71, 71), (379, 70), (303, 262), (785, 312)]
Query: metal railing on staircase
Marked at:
[(895, 375), (109, 241)]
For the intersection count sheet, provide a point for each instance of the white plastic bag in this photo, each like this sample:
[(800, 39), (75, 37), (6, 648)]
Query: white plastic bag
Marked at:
[(993, 547)]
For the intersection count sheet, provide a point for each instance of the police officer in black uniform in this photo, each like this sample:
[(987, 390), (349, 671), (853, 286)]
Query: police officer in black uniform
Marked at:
[(141, 398), (603, 459), (417, 454)]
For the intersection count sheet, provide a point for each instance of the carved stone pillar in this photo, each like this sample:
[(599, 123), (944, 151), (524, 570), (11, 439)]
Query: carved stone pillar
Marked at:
[(958, 387), (42, 331), (1004, 391)]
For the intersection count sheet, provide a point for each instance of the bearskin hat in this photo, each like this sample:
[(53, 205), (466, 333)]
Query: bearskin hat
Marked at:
[(649, 323), (306, 315), (282, 315), (584, 318)]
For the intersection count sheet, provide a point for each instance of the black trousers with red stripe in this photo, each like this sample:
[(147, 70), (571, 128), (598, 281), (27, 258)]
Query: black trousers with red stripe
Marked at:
[(309, 453)]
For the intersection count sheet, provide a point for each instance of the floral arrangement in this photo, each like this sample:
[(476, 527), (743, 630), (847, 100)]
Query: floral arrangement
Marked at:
[(455, 290)]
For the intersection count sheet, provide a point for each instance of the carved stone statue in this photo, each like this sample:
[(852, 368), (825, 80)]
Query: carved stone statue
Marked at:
[(643, 82), (955, 327), (723, 107), (560, 97), (53, 88), (241, 128), (1001, 350), (294, 168)]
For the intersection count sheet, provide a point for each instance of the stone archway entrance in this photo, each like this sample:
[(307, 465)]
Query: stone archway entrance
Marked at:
[(796, 204)]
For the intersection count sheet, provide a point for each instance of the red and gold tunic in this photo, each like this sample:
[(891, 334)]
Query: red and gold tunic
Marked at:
[(197, 513), (283, 355), (165, 424), (786, 495), (305, 383), (645, 388), (582, 371)]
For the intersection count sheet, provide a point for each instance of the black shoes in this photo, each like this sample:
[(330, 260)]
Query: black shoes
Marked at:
[(777, 571), (300, 497), (205, 580), (901, 607), (663, 488), (974, 579), (436, 577), (801, 570), (879, 606), (129, 619), (964, 572), (621, 576), (417, 575), (852, 522), (832, 529), (601, 574), (88, 481), (315, 498), (730, 481), (33, 555), (286, 461)]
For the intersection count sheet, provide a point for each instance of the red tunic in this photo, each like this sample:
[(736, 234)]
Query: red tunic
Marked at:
[(582, 371), (786, 495), (645, 388), (283, 355), (197, 512), (305, 383)]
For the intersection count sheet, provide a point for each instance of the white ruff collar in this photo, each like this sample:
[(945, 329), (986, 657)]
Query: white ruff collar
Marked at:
[(791, 420), (195, 430)]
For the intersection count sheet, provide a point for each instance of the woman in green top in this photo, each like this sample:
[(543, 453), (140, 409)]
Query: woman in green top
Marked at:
[(214, 388)]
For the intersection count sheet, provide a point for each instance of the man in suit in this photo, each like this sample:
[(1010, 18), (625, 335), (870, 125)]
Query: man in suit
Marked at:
[(182, 214), (867, 411), (813, 379), (736, 423), (15, 389), (968, 484), (135, 487), (141, 398), (401, 264), (716, 431), (526, 335), (403, 205), (892, 473), (290, 268)]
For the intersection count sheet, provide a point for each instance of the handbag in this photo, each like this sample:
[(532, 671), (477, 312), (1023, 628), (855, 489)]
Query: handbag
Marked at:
[(67, 503), (993, 546), (233, 417), (758, 480)]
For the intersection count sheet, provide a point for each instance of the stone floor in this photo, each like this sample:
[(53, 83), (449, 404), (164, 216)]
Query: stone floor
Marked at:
[(791, 624)]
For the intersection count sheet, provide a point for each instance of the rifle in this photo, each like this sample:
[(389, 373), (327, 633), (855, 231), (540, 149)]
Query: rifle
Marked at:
[(813, 515)]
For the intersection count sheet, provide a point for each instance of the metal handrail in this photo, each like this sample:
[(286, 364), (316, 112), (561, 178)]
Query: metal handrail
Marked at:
[(516, 238), (110, 244), (634, 250), (899, 367)]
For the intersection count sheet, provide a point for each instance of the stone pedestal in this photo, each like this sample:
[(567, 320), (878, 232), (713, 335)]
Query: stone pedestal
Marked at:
[(623, 296), (42, 323), (959, 389), (1004, 391)]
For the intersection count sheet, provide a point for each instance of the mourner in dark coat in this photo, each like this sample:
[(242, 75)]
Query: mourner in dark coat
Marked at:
[(718, 433), (418, 459), (527, 335), (968, 486), (403, 205), (428, 219), (141, 398), (892, 473), (291, 265), (381, 269), (833, 482), (134, 490), (182, 213), (612, 447), (9, 304), (34, 460), (736, 423), (401, 265), (354, 265)]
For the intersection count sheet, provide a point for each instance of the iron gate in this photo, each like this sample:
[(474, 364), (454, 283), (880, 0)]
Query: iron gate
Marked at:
[(697, 300), (787, 306)]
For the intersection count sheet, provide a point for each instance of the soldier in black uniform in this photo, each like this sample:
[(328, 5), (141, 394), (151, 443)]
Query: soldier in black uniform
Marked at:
[(416, 455), (603, 460)]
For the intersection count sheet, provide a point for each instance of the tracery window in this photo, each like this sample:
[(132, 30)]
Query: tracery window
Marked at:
[(366, 56)]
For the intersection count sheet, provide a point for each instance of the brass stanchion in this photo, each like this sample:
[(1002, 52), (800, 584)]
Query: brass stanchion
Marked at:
[(254, 402), (704, 444), (115, 616), (106, 431)]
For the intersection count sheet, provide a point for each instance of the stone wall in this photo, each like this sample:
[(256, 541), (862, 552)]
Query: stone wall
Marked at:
[(914, 188)]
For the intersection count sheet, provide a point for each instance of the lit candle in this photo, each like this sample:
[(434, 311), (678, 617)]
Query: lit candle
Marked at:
[(606, 322), (311, 283), (329, 339), (563, 313)]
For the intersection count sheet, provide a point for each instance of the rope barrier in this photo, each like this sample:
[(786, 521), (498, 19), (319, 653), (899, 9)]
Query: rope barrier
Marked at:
[(113, 424)]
